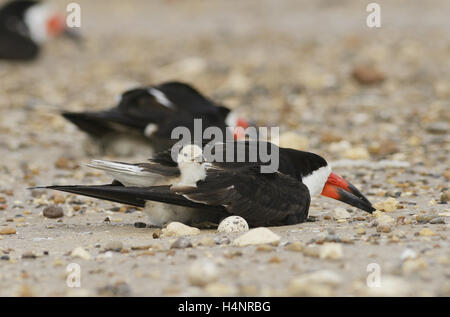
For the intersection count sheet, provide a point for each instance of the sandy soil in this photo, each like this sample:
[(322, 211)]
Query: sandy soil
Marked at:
[(288, 63)]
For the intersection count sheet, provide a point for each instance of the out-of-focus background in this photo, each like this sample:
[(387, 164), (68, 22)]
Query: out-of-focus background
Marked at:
[(346, 91)]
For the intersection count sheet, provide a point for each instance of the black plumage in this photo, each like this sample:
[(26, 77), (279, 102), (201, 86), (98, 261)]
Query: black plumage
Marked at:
[(15, 40), (166, 106)]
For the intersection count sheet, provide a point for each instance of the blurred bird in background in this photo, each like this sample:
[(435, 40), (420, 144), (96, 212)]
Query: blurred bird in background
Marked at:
[(25, 25), (146, 116)]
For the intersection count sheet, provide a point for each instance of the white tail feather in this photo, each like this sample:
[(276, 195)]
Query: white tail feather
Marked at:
[(127, 174)]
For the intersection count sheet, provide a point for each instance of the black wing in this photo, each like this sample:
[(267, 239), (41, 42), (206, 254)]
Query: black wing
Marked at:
[(189, 99), (263, 199)]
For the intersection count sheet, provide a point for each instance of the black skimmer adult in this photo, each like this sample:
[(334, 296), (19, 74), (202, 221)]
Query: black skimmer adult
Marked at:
[(147, 115), (194, 190), (25, 25)]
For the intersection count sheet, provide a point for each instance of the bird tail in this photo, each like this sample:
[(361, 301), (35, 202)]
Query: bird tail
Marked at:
[(134, 196), (88, 122), (100, 123)]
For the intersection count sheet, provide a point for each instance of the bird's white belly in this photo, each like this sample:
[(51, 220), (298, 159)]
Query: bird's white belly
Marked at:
[(161, 214)]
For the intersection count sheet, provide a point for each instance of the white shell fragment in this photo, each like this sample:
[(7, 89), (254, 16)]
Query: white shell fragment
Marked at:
[(178, 229), (257, 236)]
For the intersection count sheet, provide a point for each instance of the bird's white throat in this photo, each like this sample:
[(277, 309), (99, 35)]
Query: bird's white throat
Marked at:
[(316, 180)]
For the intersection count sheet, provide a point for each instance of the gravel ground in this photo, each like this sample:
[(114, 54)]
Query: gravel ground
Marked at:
[(375, 102)]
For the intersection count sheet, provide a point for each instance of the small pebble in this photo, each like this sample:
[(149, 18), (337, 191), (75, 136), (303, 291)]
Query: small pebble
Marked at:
[(408, 254), (356, 153), (367, 75), (207, 242), (53, 212), (414, 265), (81, 253), (295, 247), (29, 255), (202, 272), (120, 289), (438, 127), (426, 232), (220, 290), (7, 231), (140, 224), (360, 230), (445, 196), (437, 220), (384, 228), (331, 250), (181, 243), (222, 240), (319, 283), (115, 246), (293, 140), (341, 213), (389, 205)]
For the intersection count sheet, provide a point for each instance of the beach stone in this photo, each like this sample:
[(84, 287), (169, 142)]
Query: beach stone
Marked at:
[(356, 153), (384, 229), (81, 253), (295, 247), (181, 243), (257, 236), (440, 127), (437, 220), (360, 231), (221, 290), (120, 288), (331, 251), (29, 255), (383, 219), (414, 265), (388, 205), (446, 174), (390, 286), (340, 213), (7, 231), (367, 75), (426, 232), (115, 246), (293, 140), (408, 254), (178, 229), (202, 272), (53, 212), (207, 242), (233, 224), (445, 196), (319, 283)]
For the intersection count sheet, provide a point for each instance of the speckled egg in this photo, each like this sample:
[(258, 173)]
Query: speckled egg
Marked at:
[(233, 224)]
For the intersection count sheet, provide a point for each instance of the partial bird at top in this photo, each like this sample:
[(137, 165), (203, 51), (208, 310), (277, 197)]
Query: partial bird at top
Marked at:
[(146, 116), (25, 25)]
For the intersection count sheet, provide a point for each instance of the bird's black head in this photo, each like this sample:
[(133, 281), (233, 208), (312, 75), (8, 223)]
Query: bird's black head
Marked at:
[(316, 174)]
